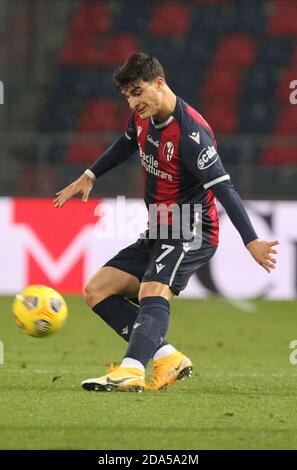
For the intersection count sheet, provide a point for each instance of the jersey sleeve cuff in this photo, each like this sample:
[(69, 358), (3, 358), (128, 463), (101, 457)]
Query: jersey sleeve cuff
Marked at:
[(216, 181), (90, 174)]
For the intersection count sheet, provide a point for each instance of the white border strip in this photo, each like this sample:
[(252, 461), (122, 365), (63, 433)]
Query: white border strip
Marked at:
[(242, 305), (216, 180), (90, 174), (176, 268), (162, 124)]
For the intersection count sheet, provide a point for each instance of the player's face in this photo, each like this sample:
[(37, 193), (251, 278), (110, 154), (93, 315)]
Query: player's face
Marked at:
[(145, 97)]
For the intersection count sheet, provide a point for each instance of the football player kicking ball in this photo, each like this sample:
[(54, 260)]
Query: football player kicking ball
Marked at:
[(182, 168)]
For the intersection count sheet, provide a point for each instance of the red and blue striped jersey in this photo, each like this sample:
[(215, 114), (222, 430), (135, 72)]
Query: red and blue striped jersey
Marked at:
[(180, 163)]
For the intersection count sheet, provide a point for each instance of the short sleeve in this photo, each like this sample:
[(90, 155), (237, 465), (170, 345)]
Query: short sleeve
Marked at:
[(200, 157)]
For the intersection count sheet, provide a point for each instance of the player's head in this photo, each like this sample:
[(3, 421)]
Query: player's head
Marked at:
[(142, 80)]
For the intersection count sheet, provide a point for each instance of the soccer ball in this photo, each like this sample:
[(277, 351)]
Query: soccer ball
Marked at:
[(39, 310)]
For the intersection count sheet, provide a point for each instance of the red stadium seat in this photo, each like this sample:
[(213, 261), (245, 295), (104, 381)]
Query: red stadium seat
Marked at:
[(170, 18), (93, 17), (287, 123), (236, 49), (124, 114), (79, 50), (84, 153), (93, 49), (221, 116), (117, 49), (279, 155), (283, 21), (99, 115), (286, 153), (222, 83), (45, 180)]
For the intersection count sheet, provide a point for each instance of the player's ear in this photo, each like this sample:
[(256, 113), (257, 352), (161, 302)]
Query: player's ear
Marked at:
[(159, 81)]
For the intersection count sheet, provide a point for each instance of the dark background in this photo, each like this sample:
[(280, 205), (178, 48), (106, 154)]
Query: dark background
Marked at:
[(231, 59)]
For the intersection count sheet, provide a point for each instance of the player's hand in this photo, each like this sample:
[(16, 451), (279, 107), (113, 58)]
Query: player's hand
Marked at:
[(262, 252), (83, 184)]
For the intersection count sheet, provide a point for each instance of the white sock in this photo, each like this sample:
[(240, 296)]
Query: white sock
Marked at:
[(130, 363), (164, 352)]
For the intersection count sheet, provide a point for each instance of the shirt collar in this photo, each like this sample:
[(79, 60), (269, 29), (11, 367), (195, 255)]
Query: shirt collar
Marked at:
[(162, 124)]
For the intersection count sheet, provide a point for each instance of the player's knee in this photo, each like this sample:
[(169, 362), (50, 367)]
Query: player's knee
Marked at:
[(154, 289), (93, 294)]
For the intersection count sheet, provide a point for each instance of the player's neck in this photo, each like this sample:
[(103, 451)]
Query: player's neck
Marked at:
[(168, 106)]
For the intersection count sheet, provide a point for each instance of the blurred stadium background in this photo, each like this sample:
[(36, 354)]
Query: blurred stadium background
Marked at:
[(233, 60)]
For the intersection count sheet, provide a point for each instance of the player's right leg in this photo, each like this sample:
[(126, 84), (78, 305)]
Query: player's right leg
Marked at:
[(107, 293), (110, 281)]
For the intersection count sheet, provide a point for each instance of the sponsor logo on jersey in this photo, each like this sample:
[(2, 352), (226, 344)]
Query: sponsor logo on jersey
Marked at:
[(196, 137), (152, 165), (207, 157), (168, 151), (139, 129)]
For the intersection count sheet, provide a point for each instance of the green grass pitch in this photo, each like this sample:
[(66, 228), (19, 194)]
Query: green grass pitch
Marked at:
[(242, 394)]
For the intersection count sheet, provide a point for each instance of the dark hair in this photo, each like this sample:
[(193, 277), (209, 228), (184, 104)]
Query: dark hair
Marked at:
[(137, 67)]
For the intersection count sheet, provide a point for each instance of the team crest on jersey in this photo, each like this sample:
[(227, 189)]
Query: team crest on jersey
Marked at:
[(168, 151), (139, 129)]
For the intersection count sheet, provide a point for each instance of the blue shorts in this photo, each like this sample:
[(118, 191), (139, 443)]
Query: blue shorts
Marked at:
[(165, 261)]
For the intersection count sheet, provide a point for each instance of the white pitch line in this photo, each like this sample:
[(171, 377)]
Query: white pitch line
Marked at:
[(242, 305), (234, 374)]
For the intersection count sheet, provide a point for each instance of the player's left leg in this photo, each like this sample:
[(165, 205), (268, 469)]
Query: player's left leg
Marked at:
[(153, 319), (168, 271), (176, 365)]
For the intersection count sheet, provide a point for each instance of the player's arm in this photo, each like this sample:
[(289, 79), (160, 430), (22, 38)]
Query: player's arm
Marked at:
[(262, 251), (208, 168), (117, 153)]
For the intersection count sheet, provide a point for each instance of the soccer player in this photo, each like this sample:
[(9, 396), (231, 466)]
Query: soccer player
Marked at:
[(182, 168)]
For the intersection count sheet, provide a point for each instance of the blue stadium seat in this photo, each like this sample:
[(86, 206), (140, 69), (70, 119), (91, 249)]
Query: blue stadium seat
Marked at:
[(85, 82), (257, 117), (249, 16), (276, 50), (210, 20), (130, 17), (260, 81), (59, 115), (168, 50), (199, 52)]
